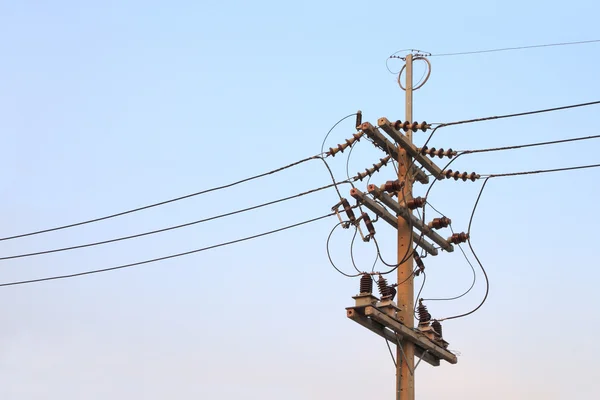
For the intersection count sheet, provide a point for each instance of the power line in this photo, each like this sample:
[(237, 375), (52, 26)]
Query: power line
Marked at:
[(187, 196), (172, 227), (522, 146), (96, 271), (515, 48), (541, 171), (521, 114)]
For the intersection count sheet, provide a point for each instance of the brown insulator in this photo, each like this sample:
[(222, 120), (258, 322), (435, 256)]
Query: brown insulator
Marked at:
[(473, 176), (406, 126), (366, 284), (424, 316), (439, 223), (420, 265), (384, 289), (423, 150), (398, 125), (414, 126), (450, 153), (358, 119), (423, 126), (448, 173), (369, 224), (416, 203), (437, 327), (349, 142), (458, 238), (393, 186), (440, 153), (348, 210), (376, 167)]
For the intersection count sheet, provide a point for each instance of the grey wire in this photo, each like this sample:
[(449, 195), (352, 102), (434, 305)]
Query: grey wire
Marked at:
[(514, 48)]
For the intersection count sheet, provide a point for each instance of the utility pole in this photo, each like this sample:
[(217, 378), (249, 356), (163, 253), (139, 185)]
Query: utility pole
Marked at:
[(395, 321), (405, 380)]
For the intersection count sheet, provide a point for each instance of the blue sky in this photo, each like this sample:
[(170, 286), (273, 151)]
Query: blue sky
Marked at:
[(111, 105)]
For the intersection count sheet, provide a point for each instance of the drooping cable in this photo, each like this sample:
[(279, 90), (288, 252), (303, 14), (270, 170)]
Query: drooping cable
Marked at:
[(487, 281), (329, 252), (96, 271)]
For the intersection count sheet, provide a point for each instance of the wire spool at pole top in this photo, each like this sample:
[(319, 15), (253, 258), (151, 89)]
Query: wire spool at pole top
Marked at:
[(420, 85)]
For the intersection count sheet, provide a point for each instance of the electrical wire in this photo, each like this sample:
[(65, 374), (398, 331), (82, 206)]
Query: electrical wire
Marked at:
[(523, 146), (172, 227), (161, 203), (96, 271), (515, 48), (419, 293), (487, 281), (329, 253), (541, 171), (521, 114), (352, 251)]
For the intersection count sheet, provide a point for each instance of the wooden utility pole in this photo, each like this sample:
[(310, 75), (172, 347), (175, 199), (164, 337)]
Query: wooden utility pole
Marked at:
[(395, 322), (405, 380)]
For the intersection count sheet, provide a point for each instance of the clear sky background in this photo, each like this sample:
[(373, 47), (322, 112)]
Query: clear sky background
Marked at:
[(111, 105)]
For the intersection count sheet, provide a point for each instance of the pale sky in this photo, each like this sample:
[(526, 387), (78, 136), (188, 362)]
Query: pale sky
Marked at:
[(111, 105)]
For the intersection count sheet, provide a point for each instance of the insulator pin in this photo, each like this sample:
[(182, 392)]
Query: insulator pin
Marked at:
[(417, 202), (413, 126), (460, 175), (366, 284), (439, 223), (458, 238)]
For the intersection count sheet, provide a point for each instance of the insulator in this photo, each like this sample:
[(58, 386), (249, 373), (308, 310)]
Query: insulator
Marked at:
[(348, 210), (414, 126), (440, 153), (424, 316), (439, 223), (423, 126), (369, 224), (420, 265), (416, 203), (349, 142), (366, 284), (392, 186), (376, 167), (460, 175), (437, 327), (384, 289), (358, 119), (458, 238)]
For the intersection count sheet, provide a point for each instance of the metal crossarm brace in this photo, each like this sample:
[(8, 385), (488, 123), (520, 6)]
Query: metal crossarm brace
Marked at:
[(420, 340), (410, 148), (391, 149), (390, 219), (410, 218)]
